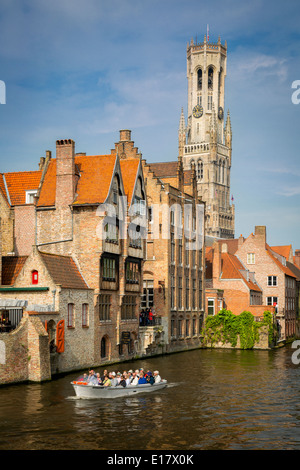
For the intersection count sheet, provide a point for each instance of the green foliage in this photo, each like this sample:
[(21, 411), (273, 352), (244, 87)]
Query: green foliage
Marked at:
[(227, 327)]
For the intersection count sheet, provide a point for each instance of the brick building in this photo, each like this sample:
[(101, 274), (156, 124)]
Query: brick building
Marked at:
[(173, 271), (272, 273), (230, 284)]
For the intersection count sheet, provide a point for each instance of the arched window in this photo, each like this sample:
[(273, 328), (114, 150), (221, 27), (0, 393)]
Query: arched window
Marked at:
[(210, 78), (35, 277), (199, 79), (200, 170)]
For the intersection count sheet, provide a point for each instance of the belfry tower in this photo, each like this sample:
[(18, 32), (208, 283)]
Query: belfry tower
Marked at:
[(206, 140)]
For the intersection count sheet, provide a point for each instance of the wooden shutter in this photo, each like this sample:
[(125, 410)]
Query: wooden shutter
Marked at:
[(60, 336)]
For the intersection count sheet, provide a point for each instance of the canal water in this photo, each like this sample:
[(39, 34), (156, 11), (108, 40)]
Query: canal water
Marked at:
[(216, 400)]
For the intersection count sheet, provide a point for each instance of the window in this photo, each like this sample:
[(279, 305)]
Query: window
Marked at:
[(187, 327), (199, 79), (200, 170), (187, 293), (30, 196), (128, 307), (272, 280), (172, 326), (132, 272), (194, 326), (194, 295), (200, 293), (147, 297), (111, 231), (172, 291), (180, 251), (250, 258), (85, 310), (209, 102), (172, 247), (109, 269), (139, 206), (104, 307), (180, 292), (180, 329), (210, 78), (71, 316), (272, 301), (211, 306)]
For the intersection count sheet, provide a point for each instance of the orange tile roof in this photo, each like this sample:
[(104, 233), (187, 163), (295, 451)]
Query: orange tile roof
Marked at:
[(11, 267), (93, 185), (283, 268), (282, 250), (129, 169), (231, 269), (20, 182)]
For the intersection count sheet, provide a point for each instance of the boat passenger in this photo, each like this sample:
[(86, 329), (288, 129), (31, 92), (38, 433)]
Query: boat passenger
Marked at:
[(142, 379), (135, 379), (92, 379), (104, 374), (106, 382), (99, 380), (122, 381), (149, 377), (157, 377), (113, 379)]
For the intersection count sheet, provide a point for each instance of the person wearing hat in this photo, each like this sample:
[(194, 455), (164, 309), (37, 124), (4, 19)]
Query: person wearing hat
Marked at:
[(113, 379), (149, 377), (157, 377)]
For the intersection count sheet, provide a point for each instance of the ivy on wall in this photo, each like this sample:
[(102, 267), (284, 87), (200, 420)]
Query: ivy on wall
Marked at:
[(226, 327)]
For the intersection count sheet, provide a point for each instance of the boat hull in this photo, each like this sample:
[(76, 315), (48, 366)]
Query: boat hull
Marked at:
[(96, 391)]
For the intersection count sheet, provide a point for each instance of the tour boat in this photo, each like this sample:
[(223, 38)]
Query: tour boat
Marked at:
[(85, 390)]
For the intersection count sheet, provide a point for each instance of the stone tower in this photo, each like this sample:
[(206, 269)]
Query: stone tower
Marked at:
[(206, 140)]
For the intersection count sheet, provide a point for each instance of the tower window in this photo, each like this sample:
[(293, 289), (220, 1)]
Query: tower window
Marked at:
[(199, 78), (200, 170), (210, 78), (209, 102)]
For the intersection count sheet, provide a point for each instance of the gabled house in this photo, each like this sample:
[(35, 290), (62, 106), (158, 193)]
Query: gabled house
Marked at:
[(229, 284)]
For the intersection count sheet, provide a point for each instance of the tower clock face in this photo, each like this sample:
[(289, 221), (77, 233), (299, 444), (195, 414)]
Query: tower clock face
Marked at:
[(197, 111), (220, 113)]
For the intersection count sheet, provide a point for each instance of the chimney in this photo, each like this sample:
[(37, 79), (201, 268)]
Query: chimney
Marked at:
[(297, 258), (240, 240), (261, 232), (125, 135), (65, 172), (217, 260)]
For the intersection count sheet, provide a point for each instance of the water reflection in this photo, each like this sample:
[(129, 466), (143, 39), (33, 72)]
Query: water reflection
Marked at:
[(215, 400)]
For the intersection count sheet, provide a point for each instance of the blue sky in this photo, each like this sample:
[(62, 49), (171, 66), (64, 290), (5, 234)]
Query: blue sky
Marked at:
[(85, 70)]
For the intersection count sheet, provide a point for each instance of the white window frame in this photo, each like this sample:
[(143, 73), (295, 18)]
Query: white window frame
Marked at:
[(29, 196), (272, 281), (210, 306), (250, 258)]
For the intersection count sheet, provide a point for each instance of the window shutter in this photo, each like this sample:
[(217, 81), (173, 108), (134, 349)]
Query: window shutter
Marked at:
[(60, 336)]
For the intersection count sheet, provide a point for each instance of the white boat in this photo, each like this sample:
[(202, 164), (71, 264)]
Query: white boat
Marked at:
[(83, 390)]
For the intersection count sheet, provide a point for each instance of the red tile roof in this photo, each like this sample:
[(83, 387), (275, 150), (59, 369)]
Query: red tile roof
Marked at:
[(164, 169), (11, 267), (283, 268), (93, 185), (20, 182), (63, 271), (283, 250)]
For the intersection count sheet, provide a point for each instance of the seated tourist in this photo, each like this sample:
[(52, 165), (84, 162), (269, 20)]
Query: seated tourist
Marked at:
[(113, 379), (99, 381), (135, 379), (149, 377), (122, 381), (142, 379), (157, 377), (106, 382)]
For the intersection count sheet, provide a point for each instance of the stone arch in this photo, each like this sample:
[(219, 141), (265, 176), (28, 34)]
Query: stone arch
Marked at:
[(105, 347)]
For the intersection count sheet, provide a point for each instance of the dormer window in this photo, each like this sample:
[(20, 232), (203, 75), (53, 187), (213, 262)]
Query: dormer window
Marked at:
[(30, 196)]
